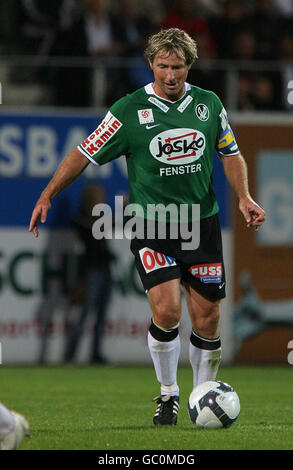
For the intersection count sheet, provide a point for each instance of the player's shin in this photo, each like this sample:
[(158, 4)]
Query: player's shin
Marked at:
[(205, 358), (164, 346)]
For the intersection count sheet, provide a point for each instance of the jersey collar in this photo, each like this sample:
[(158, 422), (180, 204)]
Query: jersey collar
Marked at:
[(150, 91)]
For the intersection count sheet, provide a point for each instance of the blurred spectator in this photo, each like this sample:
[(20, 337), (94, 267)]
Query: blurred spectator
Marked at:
[(54, 300), (256, 89), (8, 38), (225, 27), (103, 41), (285, 84), (244, 45), (39, 22), (133, 27), (154, 9), (184, 16), (256, 92), (50, 29), (203, 74), (94, 285), (139, 73), (65, 28), (265, 23), (284, 7), (210, 7), (70, 78), (100, 29)]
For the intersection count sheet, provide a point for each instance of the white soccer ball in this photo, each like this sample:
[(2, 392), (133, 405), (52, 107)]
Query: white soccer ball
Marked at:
[(213, 405)]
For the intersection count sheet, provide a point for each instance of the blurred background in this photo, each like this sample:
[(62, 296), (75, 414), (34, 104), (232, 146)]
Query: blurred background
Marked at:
[(62, 64)]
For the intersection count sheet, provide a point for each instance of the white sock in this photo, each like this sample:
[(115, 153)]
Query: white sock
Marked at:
[(164, 346), (6, 421), (205, 358)]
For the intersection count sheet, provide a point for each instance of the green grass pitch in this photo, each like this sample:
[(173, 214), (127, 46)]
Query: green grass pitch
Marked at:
[(111, 408)]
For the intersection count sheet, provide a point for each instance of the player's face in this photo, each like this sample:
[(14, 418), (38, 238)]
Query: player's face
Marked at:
[(170, 73)]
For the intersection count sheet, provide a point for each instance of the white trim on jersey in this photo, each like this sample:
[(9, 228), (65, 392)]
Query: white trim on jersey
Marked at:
[(150, 91), (86, 155)]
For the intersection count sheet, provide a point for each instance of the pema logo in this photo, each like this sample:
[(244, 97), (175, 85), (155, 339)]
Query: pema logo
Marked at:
[(145, 116), (178, 146)]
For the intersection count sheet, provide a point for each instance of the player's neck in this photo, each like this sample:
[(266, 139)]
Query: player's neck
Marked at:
[(171, 98)]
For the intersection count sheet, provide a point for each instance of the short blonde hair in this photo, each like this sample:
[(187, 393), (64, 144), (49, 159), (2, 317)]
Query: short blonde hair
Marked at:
[(172, 40)]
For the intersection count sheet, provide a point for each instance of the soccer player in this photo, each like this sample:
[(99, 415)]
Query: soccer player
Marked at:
[(168, 131), (13, 428)]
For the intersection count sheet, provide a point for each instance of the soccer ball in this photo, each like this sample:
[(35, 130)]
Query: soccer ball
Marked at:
[(213, 404)]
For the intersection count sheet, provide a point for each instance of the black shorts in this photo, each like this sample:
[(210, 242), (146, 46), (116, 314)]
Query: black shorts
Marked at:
[(203, 269)]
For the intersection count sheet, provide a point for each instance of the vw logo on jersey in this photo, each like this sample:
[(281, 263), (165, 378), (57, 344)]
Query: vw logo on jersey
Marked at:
[(178, 146), (202, 112)]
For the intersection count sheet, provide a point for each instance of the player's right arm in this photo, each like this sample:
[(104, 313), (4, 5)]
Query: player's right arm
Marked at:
[(107, 142), (69, 169)]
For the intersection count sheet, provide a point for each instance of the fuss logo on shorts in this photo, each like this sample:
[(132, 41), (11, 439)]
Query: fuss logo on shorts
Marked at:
[(178, 146), (210, 273), (152, 260)]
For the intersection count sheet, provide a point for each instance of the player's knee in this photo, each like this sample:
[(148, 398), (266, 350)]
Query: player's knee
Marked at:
[(166, 315)]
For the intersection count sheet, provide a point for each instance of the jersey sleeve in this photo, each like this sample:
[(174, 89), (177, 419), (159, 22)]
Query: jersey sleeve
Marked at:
[(108, 141), (226, 144)]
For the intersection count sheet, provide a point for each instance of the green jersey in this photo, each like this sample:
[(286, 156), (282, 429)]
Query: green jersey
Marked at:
[(169, 146)]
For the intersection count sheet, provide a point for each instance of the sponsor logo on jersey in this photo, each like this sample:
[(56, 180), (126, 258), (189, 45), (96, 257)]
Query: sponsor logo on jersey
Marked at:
[(184, 104), (180, 169), (202, 112), (210, 273), (178, 146), (152, 260), (145, 116), (159, 104), (95, 141), (151, 127)]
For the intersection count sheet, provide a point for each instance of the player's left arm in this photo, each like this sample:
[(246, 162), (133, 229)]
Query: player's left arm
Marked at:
[(235, 169)]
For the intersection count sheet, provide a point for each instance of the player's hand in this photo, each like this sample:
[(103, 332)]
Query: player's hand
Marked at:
[(39, 214), (252, 212)]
